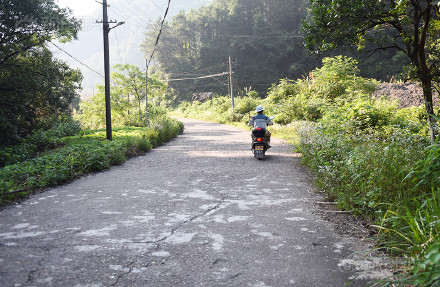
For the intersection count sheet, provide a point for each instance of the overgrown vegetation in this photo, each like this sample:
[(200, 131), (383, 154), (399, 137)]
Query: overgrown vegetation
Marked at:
[(368, 155), (64, 152), (33, 84), (262, 37)]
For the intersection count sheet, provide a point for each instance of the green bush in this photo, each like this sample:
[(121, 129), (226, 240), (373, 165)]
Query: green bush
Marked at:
[(362, 115), (361, 171), (39, 141), (219, 109), (82, 154), (426, 172)]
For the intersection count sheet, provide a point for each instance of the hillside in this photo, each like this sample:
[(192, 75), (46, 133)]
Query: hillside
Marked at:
[(407, 94)]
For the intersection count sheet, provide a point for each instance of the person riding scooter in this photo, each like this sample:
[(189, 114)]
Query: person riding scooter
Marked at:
[(261, 121)]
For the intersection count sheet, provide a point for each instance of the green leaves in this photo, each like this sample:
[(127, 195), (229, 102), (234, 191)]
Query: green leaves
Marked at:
[(33, 85), (127, 99), (82, 154), (261, 36)]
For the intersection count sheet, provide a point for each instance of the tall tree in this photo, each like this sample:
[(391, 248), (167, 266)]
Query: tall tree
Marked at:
[(409, 26), (260, 35), (33, 85), (127, 95)]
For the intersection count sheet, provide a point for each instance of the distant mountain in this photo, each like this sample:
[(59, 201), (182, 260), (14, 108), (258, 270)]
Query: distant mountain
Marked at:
[(124, 40)]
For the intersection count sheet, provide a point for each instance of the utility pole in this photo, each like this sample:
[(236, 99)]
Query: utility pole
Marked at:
[(108, 110), (230, 82), (146, 93), (106, 29)]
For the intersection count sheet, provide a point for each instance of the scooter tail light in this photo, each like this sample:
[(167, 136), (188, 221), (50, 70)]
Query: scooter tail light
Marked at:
[(259, 139)]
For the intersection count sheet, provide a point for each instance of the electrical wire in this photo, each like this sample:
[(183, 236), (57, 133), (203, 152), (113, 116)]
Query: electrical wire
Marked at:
[(157, 6), (131, 20), (202, 77), (160, 32), (138, 9), (117, 45), (201, 70), (68, 54)]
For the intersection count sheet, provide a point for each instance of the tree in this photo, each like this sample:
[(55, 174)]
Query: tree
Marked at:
[(127, 97), (260, 35), (33, 85), (409, 26)]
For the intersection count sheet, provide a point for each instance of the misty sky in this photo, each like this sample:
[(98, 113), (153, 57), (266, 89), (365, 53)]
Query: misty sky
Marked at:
[(124, 40)]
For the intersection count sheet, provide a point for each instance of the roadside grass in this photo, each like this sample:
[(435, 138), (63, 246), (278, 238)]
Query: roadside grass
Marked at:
[(76, 155)]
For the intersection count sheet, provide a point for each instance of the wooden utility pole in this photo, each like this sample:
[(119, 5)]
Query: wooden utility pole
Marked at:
[(106, 29), (147, 121), (108, 112), (230, 82)]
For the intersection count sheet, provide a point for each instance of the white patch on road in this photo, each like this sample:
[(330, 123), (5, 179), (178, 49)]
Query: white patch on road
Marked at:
[(87, 248), (260, 201), (146, 191), (265, 234), (365, 269), (201, 194), (21, 226), (180, 238), (10, 244), (238, 218), (339, 247), (161, 254), (217, 245), (296, 210), (308, 230), (295, 218), (12, 235), (277, 246), (119, 268), (99, 232), (146, 217)]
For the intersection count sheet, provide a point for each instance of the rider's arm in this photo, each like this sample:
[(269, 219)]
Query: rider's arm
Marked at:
[(269, 122), (251, 122)]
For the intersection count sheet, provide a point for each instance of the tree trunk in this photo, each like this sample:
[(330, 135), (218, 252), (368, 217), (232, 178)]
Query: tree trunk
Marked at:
[(429, 108)]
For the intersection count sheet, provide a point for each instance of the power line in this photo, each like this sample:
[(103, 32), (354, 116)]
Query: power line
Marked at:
[(68, 54), (138, 9), (201, 70), (129, 19), (160, 32), (117, 45), (202, 77), (157, 6)]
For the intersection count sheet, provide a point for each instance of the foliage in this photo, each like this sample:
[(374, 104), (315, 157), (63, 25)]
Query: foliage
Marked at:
[(260, 35), (219, 109), (426, 172), (361, 171), (80, 154), (127, 96), (426, 271), (33, 85), (411, 27), (335, 83), (39, 141)]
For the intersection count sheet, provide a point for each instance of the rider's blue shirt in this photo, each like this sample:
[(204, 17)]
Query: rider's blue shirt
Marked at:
[(260, 120)]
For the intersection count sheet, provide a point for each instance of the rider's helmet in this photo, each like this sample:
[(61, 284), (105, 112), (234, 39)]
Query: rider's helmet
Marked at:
[(260, 109)]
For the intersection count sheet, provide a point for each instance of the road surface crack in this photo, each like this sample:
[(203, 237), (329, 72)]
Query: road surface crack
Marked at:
[(207, 211)]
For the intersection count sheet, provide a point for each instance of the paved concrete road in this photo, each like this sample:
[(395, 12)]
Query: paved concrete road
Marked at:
[(198, 211)]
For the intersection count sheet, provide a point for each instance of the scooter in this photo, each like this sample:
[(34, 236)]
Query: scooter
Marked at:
[(259, 143)]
